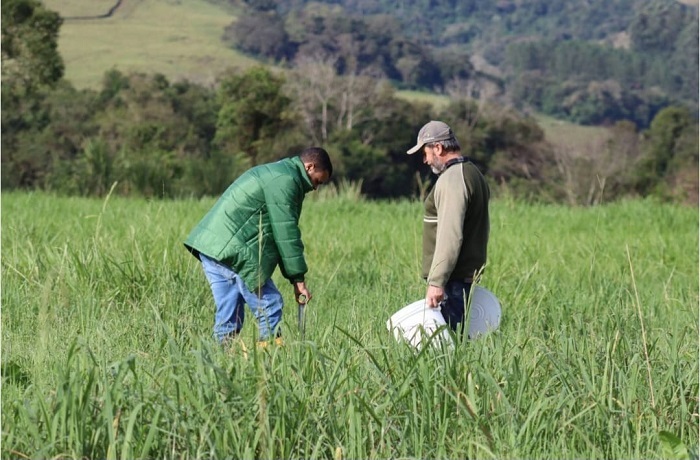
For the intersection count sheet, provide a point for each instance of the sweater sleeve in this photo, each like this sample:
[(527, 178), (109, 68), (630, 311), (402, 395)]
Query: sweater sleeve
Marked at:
[(451, 199), (284, 206)]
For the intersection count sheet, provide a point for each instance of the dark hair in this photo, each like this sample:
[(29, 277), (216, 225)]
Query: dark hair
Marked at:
[(319, 157), (450, 145)]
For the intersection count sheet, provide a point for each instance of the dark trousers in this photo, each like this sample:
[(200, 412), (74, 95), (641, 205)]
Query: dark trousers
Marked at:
[(455, 303)]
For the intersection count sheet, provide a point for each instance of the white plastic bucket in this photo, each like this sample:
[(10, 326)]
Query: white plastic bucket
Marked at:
[(484, 312), (415, 322)]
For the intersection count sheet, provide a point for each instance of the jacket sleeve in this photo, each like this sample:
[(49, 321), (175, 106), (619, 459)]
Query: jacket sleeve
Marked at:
[(283, 202), (451, 200)]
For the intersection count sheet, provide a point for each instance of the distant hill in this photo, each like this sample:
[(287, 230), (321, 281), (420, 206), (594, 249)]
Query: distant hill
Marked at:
[(181, 40), (589, 62)]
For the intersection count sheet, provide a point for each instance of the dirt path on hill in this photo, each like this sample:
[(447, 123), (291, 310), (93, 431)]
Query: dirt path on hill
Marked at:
[(106, 15)]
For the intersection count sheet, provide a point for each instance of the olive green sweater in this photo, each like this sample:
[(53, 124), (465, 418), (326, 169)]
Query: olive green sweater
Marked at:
[(456, 225)]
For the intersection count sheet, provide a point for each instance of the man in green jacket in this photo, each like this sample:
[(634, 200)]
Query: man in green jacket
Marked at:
[(455, 223), (250, 230)]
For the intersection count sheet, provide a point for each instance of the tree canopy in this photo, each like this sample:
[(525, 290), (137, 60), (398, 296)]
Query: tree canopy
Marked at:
[(568, 58)]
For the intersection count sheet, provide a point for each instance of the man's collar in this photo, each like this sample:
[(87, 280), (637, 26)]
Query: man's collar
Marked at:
[(454, 161)]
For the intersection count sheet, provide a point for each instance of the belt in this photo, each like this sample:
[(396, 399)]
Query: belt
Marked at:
[(469, 280), (463, 280)]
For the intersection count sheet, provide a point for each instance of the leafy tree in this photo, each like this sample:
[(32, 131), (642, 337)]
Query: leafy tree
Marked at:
[(670, 153), (374, 151), (141, 115), (30, 66), (260, 34), (113, 82), (71, 120), (453, 64), (358, 162), (198, 107), (374, 45), (91, 173), (657, 26), (684, 63), (416, 68), (30, 57), (254, 113), (154, 130)]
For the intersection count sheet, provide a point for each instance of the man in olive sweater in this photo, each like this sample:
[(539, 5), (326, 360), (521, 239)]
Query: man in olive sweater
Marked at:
[(252, 229), (455, 223)]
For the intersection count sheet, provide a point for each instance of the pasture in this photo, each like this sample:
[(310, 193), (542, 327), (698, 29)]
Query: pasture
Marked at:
[(181, 40), (107, 348)]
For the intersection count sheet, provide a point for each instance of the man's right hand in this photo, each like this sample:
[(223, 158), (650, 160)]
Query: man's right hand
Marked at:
[(301, 293), (434, 296)]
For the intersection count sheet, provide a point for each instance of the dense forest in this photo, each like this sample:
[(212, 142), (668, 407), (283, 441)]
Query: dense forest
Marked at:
[(140, 134), (591, 62)]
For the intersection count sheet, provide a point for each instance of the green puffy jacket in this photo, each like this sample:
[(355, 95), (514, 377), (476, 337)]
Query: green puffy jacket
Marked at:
[(254, 226)]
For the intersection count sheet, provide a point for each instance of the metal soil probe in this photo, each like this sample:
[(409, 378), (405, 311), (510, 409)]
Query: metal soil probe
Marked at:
[(301, 316)]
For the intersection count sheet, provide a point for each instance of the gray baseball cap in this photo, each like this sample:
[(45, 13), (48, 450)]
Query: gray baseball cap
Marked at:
[(432, 131)]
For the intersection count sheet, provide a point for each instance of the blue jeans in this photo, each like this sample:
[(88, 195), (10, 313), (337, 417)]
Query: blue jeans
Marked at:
[(230, 293), (453, 307)]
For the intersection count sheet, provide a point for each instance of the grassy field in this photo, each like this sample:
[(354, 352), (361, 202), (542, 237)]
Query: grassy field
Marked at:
[(180, 39), (564, 134), (107, 349), (438, 101)]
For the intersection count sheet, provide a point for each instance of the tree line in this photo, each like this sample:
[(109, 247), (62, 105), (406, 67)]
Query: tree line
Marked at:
[(557, 58), (156, 138)]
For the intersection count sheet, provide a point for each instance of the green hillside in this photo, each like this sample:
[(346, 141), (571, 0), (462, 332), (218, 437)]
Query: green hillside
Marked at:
[(593, 63), (181, 40)]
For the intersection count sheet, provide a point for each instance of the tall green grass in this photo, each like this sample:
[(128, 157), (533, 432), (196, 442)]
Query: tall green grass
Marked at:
[(107, 348)]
